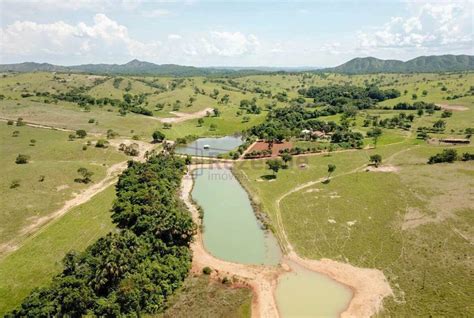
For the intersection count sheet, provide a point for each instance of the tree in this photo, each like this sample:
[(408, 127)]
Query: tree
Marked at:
[(439, 125), (274, 165), (85, 174), (158, 136), (81, 133), (375, 133), (447, 155), (200, 122), (22, 159), (286, 157), (331, 169), (376, 159), (217, 112), (420, 112), (101, 143), (188, 160)]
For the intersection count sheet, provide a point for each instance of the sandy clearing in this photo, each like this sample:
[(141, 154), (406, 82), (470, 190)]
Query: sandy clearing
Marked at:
[(368, 285), (180, 117), (453, 107), (384, 168)]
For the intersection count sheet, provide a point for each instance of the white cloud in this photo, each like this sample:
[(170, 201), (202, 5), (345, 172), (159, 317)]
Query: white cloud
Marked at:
[(26, 38), (156, 13), (228, 44), (432, 25), (174, 37)]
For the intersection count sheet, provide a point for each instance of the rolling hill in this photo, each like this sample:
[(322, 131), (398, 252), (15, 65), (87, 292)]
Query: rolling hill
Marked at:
[(421, 64), (365, 65)]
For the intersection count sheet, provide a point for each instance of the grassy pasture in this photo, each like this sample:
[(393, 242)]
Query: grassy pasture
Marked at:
[(53, 157), (202, 297), (358, 218), (35, 263)]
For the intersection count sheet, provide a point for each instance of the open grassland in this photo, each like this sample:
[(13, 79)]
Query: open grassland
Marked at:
[(47, 180), (415, 224), (202, 297), (35, 263), (188, 95), (70, 116)]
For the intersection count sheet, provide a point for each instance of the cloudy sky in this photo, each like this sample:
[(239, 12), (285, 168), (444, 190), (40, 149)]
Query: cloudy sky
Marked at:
[(227, 33)]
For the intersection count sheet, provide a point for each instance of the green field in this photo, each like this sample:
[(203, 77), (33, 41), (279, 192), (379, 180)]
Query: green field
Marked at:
[(414, 223), (52, 157), (39, 258), (202, 297)]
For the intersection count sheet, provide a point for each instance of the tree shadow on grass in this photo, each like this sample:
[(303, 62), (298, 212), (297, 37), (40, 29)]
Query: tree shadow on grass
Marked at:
[(268, 177), (326, 181)]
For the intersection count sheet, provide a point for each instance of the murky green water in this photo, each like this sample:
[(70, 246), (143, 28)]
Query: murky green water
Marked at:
[(304, 293), (232, 233), (216, 147), (231, 230)]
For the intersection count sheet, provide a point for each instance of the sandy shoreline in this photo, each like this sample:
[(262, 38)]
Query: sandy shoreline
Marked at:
[(369, 286)]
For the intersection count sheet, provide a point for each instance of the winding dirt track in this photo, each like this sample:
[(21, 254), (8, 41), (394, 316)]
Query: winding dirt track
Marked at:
[(369, 286)]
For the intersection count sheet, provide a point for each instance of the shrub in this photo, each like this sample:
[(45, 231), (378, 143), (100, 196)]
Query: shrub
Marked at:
[(81, 133), (22, 159), (448, 155), (158, 136), (207, 270), (101, 143), (15, 184)]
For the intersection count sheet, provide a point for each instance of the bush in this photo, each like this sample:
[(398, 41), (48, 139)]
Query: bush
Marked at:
[(14, 184), (81, 133), (467, 156), (10, 122), (101, 143), (22, 159), (448, 155), (207, 270), (158, 136)]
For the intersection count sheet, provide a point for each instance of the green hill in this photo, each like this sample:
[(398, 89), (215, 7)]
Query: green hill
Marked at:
[(422, 64)]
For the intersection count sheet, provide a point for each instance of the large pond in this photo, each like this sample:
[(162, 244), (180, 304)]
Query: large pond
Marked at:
[(232, 233), (304, 293), (231, 230), (210, 147)]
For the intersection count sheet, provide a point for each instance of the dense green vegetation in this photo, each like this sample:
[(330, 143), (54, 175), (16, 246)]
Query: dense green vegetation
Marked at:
[(133, 270)]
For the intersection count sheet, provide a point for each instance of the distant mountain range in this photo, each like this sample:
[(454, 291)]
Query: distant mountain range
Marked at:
[(442, 63), (421, 64)]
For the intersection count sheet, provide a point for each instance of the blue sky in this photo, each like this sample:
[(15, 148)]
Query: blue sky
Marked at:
[(226, 33)]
